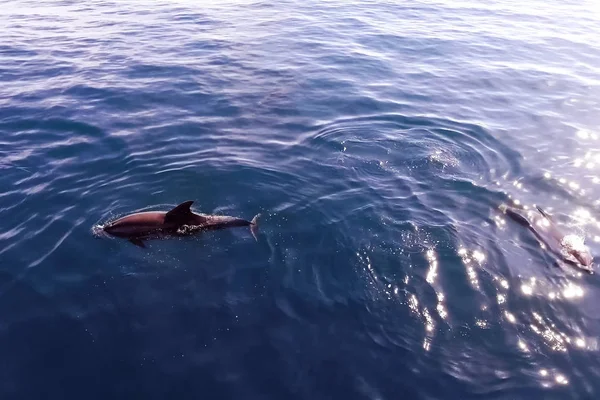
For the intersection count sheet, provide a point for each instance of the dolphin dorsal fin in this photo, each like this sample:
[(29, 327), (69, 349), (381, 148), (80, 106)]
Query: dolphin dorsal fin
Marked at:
[(179, 213), (544, 213)]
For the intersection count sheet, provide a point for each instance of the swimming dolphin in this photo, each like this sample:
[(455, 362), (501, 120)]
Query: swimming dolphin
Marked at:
[(180, 221), (571, 247)]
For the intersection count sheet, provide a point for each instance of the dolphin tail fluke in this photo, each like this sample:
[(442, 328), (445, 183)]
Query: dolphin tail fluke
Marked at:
[(254, 226)]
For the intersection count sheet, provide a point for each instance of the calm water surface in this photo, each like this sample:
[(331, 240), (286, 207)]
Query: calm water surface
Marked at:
[(377, 138)]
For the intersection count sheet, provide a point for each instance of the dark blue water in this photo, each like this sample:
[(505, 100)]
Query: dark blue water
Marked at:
[(378, 140)]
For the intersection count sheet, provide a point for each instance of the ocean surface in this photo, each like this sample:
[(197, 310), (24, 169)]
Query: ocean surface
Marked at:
[(378, 139)]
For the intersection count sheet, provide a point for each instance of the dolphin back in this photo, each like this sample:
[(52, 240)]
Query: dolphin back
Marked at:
[(518, 217)]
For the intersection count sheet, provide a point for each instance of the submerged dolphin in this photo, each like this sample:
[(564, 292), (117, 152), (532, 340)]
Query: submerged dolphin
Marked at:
[(180, 221), (571, 247)]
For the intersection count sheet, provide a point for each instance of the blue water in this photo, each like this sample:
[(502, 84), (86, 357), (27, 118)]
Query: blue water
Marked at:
[(378, 140)]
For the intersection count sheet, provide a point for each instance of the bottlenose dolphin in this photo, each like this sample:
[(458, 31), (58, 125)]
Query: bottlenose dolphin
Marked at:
[(570, 247), (180, 221)]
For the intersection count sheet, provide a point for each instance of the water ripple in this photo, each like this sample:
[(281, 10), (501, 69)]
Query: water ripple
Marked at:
[(378, 140)]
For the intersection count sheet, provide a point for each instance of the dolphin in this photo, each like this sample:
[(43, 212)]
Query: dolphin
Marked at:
[(180, 221), (571, 247)]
